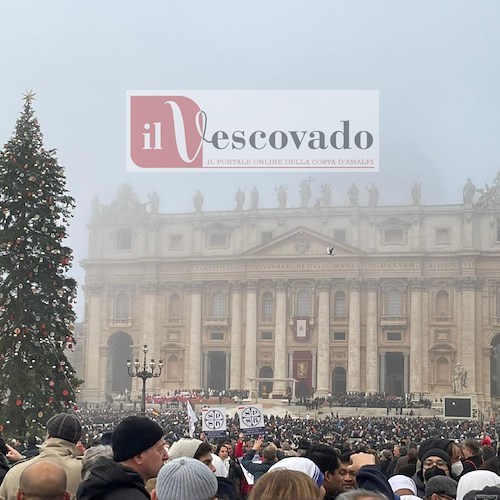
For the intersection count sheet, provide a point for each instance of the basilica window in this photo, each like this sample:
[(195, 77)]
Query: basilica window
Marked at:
[(339, 336), (175, 242), (394, 303), (442, 304), (442, 236), (443, 374), (394, 236), (217, 240), (124, 239), (340, 310), (172, 367), (267, 306), (266, 335), (216, 335), (394, 336), (122, 306), (218, 305), (303, 303), (174, 306)]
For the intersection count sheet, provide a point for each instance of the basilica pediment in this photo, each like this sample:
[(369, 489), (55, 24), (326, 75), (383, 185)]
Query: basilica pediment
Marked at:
[(302, 241)]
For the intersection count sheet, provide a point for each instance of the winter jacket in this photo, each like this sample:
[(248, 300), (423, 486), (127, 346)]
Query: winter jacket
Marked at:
[(419, 483), (31, 451), (471, 463), (4, 467), (256, 469), (109, 480), (55, 450)]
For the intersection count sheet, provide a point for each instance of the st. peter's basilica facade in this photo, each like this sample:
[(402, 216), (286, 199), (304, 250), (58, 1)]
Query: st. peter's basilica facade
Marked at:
[(408, 294)]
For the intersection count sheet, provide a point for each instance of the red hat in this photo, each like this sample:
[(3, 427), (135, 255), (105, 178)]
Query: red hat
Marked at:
[(486, 441)]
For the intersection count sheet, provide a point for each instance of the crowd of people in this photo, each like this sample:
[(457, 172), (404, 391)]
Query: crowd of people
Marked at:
[(108, 454)]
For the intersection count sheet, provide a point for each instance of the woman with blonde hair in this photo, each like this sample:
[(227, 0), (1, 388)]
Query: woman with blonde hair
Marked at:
[(286, 485)]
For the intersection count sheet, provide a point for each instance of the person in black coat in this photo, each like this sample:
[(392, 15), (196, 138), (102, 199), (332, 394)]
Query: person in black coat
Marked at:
[(472, 460), (138, 455)]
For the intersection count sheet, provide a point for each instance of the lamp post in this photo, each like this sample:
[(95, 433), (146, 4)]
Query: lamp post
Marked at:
[(135, 370)]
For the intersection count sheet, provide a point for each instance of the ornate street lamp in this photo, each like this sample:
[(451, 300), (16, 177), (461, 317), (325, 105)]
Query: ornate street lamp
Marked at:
[(135, 370)]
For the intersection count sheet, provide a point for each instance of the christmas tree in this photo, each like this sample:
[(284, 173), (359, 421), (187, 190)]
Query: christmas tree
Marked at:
[(36, 296)]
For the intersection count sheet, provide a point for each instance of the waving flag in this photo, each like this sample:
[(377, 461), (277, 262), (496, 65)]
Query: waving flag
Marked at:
[(192, 418)]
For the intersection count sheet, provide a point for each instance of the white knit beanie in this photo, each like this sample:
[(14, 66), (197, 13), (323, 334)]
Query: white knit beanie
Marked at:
[(300, 464), (184, 448), (185, 479), (220, 468)]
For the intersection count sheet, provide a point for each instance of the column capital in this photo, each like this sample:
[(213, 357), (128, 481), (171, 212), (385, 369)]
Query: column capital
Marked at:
[(93, 288), (324, 284), (281, 285), (251, 286), (236, 286), (469, 283), (417, 283), (195, 287), (371, 284), (150, 286), (354, 283)]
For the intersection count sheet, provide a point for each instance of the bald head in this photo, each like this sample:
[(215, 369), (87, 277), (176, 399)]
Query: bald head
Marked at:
[(43, 480)]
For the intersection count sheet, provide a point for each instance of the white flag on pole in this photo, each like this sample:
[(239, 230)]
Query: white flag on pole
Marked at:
[(192, 418)]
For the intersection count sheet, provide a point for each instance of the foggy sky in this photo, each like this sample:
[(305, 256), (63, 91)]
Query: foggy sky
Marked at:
[(435, 63)]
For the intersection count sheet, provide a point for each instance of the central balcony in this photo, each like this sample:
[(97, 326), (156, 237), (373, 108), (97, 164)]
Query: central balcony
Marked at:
[(386, 320), (215, 321)]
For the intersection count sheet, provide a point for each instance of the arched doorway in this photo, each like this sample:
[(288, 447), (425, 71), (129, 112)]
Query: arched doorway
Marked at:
[(265, 388), (495, 366), (339, 381), (119, 351)]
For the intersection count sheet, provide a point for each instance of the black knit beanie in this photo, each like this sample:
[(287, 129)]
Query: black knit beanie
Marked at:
[(132, 436), (436, 452)]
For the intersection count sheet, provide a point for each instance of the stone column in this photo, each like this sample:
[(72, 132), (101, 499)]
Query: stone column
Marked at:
[(323, 365), (227, 381), (415, 237), (251, 335), (195, 337), (91, 371), (426, 341), (468, 237), (416, 337), (372, 233), (235, 363), (354, 231), (371, 338), (382, 372), (280, 337), (354, 342), (104, 371), (406, 366), (469, 331), (204, 370), (290, 365), (151, 292), (314, 372)]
